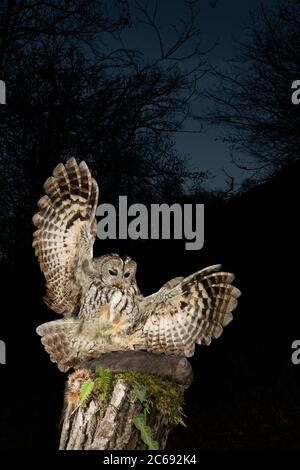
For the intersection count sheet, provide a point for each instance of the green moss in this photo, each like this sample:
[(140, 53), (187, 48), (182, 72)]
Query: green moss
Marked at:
[(153, 393), (167, 397)]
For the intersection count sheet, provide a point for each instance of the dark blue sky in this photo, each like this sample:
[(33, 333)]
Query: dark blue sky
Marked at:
[(226, 21)]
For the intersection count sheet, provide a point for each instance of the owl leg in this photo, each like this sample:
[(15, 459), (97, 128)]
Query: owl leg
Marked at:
[(120, 324), (104, 313)]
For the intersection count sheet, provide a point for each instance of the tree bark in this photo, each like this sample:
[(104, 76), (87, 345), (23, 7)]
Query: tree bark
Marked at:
[(100, 425)]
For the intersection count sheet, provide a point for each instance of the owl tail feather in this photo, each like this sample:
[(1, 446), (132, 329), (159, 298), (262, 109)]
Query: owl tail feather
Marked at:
[(57, 339)]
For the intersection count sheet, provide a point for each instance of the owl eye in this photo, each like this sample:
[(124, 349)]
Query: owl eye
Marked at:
[(112, 273), (127, 274)]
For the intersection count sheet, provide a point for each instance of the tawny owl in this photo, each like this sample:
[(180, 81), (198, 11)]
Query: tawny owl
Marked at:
[(102, 307)]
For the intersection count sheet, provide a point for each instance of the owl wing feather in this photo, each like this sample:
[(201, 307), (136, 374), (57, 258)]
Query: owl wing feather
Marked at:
[(57, 339), (195, 310), (66, 230)]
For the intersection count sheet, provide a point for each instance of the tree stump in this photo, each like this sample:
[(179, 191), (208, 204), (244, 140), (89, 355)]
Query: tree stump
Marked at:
[(124, 400)]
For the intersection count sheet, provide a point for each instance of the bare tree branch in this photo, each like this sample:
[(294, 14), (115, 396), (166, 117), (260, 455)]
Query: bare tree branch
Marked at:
[(252, 103)]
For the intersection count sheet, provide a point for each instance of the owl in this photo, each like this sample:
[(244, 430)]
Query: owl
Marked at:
[(101, 305)]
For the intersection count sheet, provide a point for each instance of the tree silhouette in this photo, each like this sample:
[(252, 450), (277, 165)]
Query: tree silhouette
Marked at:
[(74, 87), (252, 102)]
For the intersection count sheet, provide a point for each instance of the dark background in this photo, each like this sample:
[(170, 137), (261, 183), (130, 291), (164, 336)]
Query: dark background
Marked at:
[(246, 390)]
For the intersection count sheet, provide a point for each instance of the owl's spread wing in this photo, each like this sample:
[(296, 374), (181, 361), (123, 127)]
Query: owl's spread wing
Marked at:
[(57, 338), (66, 232), (195, 310)]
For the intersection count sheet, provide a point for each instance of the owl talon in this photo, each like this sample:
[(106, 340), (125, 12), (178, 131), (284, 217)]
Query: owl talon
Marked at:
[(120, 324), (131, 341)]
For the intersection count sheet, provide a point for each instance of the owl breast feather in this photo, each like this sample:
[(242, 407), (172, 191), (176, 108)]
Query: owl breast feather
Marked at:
[(118, 302)]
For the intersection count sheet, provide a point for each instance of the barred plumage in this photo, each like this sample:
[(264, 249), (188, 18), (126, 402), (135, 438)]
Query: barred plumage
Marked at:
[(102, 307), (66, 232)]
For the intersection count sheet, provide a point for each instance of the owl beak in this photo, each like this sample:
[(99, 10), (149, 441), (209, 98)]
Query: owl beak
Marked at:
[(120, 285)]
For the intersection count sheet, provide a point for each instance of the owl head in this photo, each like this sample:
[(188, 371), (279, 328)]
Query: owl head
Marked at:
[(116, 271)]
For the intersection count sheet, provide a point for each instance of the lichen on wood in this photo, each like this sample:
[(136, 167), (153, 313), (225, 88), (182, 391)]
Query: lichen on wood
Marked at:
[(121, 410)]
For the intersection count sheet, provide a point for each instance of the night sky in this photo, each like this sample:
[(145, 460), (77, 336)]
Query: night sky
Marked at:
[(227, 22)]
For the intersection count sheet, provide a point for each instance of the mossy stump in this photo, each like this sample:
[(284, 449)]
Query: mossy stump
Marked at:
[(117, 409)]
